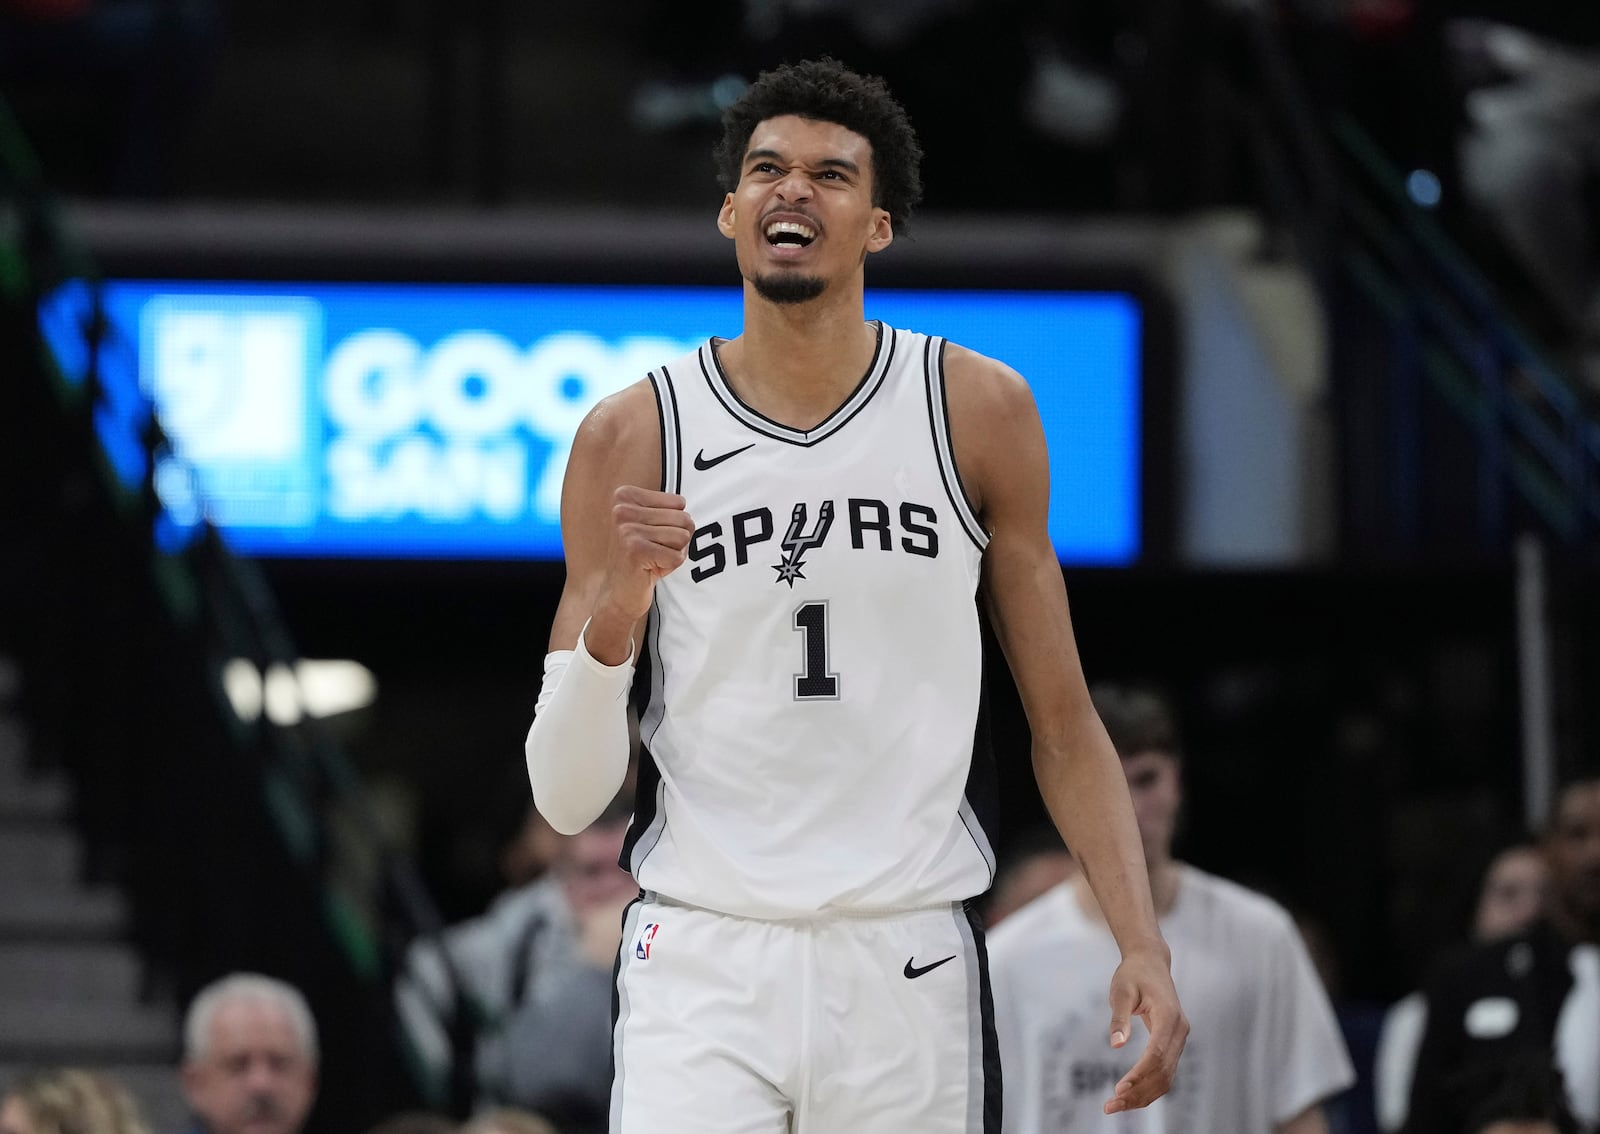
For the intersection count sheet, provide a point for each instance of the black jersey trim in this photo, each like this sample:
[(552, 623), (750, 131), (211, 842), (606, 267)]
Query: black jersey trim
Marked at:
[(649, 821), (939, 423), (993, 1087), (621, 1009), (980, 839), (671, 433), (979, 809), (964, 498), (654, 711), (871, 382)]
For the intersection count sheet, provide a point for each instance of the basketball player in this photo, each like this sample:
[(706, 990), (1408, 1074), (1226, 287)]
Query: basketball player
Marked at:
[(788, 530), (1265, 1052)]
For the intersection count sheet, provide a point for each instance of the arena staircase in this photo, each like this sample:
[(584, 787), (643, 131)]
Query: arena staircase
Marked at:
[(155, 835), (70, 984)]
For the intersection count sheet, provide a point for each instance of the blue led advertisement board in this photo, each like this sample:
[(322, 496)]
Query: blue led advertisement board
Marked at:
[(433, 421)]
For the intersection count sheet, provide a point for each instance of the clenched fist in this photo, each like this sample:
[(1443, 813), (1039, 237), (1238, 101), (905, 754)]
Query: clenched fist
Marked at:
[(650, 533)]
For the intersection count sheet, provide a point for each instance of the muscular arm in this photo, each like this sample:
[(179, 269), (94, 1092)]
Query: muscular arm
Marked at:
[(618, 443), (1000, 448), (620, 534)]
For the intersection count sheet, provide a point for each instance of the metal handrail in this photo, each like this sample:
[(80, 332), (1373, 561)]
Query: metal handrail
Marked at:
[(229, 598), (1530, 417)]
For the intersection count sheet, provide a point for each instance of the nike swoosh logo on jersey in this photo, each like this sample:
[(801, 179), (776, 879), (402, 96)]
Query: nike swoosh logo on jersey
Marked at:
[(703, 463), (913, 972)]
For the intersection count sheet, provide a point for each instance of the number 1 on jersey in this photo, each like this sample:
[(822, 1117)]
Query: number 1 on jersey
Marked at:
[(814, 682)]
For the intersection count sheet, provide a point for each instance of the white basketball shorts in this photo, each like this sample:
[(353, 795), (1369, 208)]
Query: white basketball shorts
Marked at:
[(850, 1024)]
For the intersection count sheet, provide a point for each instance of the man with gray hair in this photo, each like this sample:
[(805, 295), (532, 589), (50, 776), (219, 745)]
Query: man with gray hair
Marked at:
[(250, 1056)]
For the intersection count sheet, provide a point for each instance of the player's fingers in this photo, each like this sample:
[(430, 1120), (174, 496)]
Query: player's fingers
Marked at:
[(1144, 1083), (650, 535), (1122, 1001), (628, 512), (647, 497), (656, 552), (1151, 1077)]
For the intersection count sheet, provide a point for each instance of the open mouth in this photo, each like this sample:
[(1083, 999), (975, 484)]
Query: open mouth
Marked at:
[(789, 234)]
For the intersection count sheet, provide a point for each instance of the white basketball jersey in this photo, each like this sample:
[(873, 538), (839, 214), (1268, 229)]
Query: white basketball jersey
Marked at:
[(815, 667)]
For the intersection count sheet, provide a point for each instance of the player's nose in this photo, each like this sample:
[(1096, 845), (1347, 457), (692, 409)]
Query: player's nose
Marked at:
[(794, 186)]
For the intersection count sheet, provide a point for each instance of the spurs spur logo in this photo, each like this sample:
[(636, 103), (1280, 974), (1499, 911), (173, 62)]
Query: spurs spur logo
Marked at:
[(798, 541)]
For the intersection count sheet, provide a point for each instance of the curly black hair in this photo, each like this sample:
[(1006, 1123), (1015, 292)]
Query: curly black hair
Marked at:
[(825, 90)]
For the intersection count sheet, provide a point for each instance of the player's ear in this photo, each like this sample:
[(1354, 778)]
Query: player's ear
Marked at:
[(882, 232), (725, 217)]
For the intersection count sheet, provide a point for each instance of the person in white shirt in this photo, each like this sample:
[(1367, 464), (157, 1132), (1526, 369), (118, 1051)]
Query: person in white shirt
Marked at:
[(1264, 1052), (1036, 861)]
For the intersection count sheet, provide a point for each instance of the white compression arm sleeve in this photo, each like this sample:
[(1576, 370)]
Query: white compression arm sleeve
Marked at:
[(578, 746)]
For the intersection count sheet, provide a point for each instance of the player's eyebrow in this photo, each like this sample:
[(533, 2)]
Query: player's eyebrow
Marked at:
[(823, 163)]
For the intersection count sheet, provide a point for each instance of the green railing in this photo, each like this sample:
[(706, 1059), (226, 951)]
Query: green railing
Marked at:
[(1537, 435), (243, 841), (1416, 328)]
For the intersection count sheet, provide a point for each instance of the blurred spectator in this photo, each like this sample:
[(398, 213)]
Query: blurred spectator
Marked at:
[(508, 1120), (1529, 995), (1510, 897), (536, 975), (1264, 1052), (533, 849), (250, 1056), (1036, 860), (1528, 1098), (1530, 159), (69, 1101), (415, 1122), (557, 1055), (1513, 893), (104, 87)]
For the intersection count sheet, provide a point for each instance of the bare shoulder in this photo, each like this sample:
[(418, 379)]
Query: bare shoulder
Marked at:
[(994, 425), (622, 434), (983, 388)]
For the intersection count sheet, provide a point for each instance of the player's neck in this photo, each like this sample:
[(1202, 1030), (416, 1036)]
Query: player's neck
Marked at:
[(1166, 879), (797, 363)]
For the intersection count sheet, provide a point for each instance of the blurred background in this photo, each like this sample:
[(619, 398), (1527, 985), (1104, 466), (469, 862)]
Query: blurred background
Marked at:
[(302, 300)]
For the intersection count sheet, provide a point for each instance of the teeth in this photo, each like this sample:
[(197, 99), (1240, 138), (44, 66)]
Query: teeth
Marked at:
[(805, 232)]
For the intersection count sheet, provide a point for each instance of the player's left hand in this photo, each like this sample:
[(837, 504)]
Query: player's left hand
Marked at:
[(1142, 986)]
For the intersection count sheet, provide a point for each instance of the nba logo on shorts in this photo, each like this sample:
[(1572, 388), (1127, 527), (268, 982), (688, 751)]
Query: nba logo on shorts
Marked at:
[(646, 936)]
